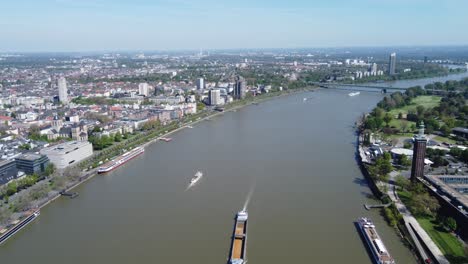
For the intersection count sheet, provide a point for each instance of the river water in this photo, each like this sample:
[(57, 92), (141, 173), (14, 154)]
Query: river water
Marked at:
[(299, 156)]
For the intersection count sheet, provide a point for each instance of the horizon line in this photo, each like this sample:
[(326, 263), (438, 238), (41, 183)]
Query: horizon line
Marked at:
[(237, 49)]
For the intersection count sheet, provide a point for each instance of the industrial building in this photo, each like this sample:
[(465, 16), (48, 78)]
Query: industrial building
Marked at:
[(68, 153)]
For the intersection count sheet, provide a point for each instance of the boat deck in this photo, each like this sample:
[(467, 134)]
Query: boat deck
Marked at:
[(378, 246), (239, 240)]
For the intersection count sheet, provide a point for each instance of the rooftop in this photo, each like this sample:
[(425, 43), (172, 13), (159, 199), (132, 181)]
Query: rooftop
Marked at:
[(30, 156), (66, 147), (449, 188)]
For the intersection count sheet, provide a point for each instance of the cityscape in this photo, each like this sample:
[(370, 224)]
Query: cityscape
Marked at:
[(329, 154)]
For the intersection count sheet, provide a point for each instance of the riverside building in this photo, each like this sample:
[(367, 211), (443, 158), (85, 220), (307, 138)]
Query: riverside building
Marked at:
[(68, 153)]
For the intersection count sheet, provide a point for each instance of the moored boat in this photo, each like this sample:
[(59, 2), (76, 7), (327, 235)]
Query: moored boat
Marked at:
[(237, 254), (354, 93), (13, 230), (121, 160), (374, 242)]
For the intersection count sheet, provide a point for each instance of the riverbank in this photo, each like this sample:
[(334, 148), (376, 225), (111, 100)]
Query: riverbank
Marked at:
[(89, 174), (385, 176)]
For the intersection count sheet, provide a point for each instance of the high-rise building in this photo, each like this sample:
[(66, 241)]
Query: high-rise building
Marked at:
[(214, 97), (62, 90), (143, 89), (240, 88), (419, 154), (200, 84), (392, 64), (373, 69)]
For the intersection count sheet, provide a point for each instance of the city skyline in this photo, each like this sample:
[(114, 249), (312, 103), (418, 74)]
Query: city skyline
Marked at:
[(65, 25)]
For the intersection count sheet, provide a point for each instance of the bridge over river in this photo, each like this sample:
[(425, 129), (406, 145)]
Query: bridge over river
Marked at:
[(366, 87)]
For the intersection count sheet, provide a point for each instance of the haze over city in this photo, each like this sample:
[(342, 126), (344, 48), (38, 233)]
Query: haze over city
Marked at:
[(103, 25)]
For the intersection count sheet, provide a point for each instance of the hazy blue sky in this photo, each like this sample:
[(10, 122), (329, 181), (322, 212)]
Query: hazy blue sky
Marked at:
[(93, 25)]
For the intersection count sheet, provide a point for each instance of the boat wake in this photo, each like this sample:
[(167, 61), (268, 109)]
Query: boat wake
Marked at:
[(249, 195), (195, 179)]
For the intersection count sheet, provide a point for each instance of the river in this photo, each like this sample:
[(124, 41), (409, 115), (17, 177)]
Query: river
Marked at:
[(300, 157)]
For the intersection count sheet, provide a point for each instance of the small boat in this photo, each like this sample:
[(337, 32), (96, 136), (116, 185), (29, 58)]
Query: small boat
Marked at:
[(166, 139), (305, 99), (196, 178), (354, 93), (237, 254), (374, 242)]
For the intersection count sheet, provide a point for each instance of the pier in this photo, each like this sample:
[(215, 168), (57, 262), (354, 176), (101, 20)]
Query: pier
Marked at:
[(72, 195), (368, 207)]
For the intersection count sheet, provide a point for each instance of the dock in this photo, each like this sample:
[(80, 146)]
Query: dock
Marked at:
[(368, 207), (72, 195)]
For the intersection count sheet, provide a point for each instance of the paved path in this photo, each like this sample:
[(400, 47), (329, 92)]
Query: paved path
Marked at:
[(413, 225)]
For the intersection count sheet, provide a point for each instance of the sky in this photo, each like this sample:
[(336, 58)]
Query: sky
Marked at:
[(139, 25)]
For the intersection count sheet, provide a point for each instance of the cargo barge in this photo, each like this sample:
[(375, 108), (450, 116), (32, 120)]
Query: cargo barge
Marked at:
[(19, 226), (374, 242), (121, 160), (237, 255)]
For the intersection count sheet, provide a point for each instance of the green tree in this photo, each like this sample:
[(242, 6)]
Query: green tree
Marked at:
[(387, 119), (402, 181), (424, 205), (25, 146), (50, 169), (34, 132), (12, 188), (200, 106), (404, 161), (118, 137), (450, 223)]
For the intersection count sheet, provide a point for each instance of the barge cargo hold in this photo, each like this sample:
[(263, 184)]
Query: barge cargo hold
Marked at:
[(237, 254), (374, 242), (19, 226), (121, 160)]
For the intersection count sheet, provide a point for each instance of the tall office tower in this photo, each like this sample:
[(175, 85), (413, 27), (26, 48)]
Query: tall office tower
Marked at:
[(200, 84), (62, 90), (392, 64), (143, 89), (240, 88), (214, 97), (373, 69), (419, 154)]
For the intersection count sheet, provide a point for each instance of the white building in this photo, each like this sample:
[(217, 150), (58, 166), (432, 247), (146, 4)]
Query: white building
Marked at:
[(200, 84), (373, 69), (143, 89), (214, 97), (62, 90), (358, 75), (68, 153)]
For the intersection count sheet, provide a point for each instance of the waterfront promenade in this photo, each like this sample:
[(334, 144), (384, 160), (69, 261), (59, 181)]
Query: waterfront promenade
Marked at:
[(411, 222)]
